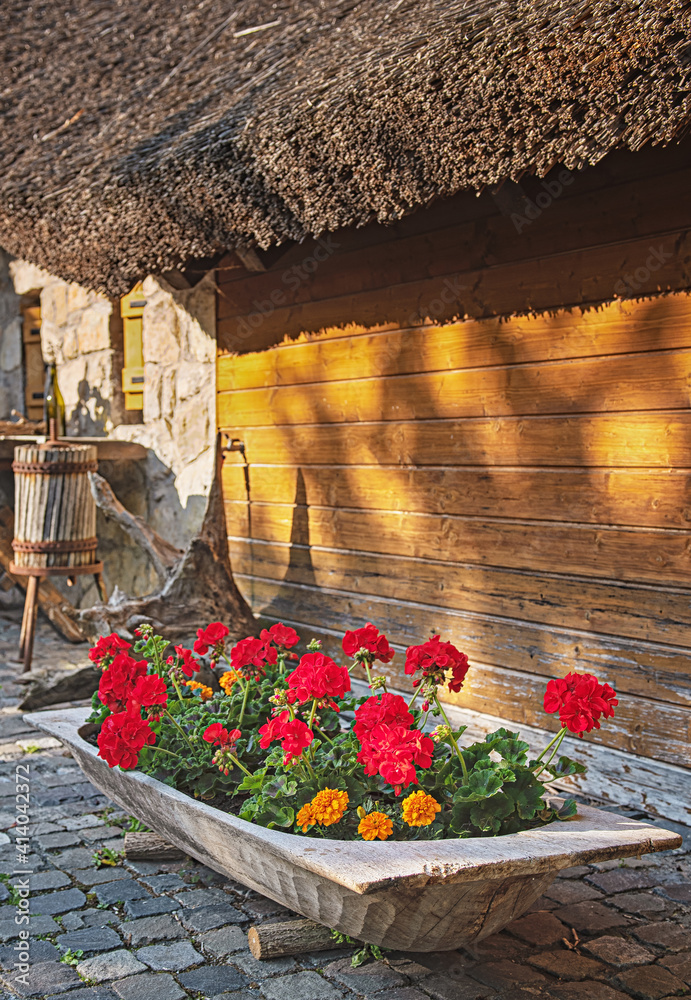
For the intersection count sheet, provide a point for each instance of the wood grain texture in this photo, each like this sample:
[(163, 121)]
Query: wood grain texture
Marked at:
[(289, 937), (617, 328), (518, 479), (637, 611), (592, 385), (574, 278), (641, 555), (578, 219), (640, 668), (145, 846), (521, 659), (618, 440), (54, 606), (393, 894), (631, 497)]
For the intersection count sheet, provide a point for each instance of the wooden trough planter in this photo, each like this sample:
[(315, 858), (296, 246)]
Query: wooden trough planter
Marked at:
[(416, 896)]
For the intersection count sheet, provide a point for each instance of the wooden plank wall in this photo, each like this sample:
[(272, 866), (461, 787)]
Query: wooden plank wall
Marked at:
[(519, 483)]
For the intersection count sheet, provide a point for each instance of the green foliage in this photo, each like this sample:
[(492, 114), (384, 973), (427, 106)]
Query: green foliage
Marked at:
[(364, 953), (13, 899), (105, 857), (72, 957), (494, 790)]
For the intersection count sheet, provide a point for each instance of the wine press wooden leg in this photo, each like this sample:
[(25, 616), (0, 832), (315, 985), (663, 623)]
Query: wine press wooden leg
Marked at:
[(22, 634), (29, 621), (101, 587)]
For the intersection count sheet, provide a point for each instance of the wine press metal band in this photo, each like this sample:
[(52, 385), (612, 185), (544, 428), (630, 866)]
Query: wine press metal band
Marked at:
[(53, 468), (71, 545)]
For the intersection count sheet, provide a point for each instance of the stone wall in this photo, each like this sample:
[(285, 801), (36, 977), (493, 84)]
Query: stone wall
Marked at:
[(75, 333), (82, 331), (179, 416), (11, 373)]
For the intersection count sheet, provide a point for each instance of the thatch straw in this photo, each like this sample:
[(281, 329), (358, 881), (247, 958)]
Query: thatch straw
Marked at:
[(136, 136)]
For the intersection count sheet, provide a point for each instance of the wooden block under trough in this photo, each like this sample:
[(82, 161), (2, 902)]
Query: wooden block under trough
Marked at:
[(290, 937), (150, 847)]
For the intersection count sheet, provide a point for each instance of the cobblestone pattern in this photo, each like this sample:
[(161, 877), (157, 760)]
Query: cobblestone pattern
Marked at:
[(149, 931)]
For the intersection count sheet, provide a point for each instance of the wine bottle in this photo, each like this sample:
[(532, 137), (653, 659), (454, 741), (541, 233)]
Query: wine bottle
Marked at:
[(53, 404)]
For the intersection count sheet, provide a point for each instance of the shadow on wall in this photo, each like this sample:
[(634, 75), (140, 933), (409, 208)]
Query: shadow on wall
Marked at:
[(88, 420)]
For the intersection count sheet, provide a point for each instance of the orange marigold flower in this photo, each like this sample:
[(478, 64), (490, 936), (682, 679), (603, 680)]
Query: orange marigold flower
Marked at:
[(204, 691), (305, 818), (420, 809), (329, 805), (227, 680), (375, 825)]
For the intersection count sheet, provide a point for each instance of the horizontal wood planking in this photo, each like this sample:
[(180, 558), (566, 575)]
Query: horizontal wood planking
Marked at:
[(637, 554), (658, 788), (641, 725), (652, 439), (618, 328), (658, 379), (651, 614), (646, 670), (648, 168), (627, 213), (631, 497), (575, 278)]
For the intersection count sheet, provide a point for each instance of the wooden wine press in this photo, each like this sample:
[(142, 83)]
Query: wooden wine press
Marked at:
[(55, 523)]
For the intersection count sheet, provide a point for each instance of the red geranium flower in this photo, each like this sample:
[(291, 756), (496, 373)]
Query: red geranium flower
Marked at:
[(219, 736), (390, 709), (317, 676), (188, 665), (435, 659), (107, 647), (393, 751), (212, 637), (580, 700), (283, 635), (118, 681), (295, 735), (252, 653), (150, 692), (369, 643), (121, 738), (272, 730)]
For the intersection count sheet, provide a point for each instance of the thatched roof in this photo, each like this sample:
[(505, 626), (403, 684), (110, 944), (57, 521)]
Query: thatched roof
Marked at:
[(134, 136)]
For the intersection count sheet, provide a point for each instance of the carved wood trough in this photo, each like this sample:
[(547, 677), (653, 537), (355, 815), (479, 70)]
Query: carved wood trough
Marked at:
[(417, 896)]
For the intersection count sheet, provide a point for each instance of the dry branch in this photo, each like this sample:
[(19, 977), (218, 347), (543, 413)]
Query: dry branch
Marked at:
[(162, 554), (198, 587)]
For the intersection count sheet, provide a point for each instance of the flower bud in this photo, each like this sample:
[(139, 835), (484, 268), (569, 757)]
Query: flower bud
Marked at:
[(441, 733), (314, 645)]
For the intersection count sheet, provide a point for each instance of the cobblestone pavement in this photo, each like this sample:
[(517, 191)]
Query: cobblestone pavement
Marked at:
[(149, 931)]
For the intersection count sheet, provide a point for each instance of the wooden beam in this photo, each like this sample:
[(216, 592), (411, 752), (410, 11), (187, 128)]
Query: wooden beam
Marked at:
[(251, 260)]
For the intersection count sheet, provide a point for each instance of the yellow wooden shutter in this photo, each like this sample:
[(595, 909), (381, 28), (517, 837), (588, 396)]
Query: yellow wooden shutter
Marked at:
[(131, 310)]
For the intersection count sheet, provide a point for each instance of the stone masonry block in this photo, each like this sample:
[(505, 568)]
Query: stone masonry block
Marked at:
[(111, 965), (149, 986), (619, 952), (649, 982), (539, 929), (300, 986)]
